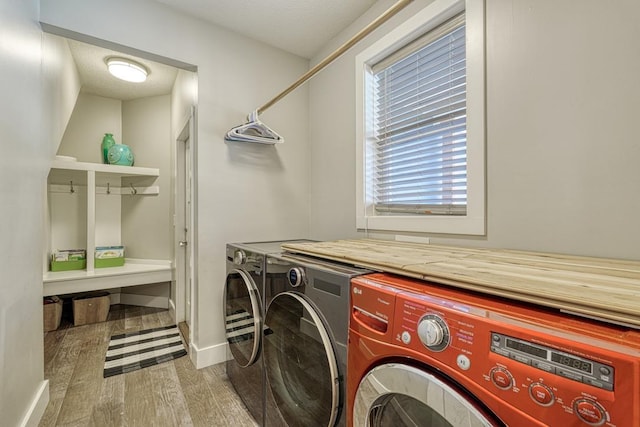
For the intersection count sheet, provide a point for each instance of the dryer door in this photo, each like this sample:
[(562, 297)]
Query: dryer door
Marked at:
[(305, 386), (402, 395), (242, 317)]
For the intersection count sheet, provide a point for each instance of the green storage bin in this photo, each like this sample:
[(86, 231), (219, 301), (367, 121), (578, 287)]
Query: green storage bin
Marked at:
[(109, 256), (108, 262), (80, 264)]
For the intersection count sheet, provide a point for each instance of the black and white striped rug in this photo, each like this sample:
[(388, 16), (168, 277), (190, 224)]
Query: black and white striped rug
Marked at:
[(136, 350)]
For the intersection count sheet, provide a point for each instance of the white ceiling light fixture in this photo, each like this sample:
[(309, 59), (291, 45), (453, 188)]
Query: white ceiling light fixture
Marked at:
[(126, 69)]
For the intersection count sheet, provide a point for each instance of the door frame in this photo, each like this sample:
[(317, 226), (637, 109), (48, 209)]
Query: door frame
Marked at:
[(188, 133)]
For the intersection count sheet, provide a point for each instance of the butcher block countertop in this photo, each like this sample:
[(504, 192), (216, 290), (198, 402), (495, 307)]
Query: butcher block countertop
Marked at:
[(605, 289)]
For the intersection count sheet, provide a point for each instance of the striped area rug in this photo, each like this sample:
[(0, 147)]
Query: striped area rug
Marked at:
[(136, 350)]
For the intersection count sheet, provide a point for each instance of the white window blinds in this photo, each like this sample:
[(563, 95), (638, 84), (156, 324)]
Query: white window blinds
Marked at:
[(419, 111)]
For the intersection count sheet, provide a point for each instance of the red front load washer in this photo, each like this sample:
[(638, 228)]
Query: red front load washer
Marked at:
[(421, 354)]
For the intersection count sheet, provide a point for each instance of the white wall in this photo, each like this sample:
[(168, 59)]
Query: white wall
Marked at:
[(29, 135), (562, 146), (245, 192), (62, 85), (92, 117), (147, 220)]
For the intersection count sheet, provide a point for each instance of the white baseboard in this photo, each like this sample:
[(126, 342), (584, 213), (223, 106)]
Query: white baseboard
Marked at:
[(144, 300), (212, 355), (39, 404)]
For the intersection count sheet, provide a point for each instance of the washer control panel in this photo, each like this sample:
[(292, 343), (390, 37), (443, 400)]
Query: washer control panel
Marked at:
[(532, 367), (556, 362)]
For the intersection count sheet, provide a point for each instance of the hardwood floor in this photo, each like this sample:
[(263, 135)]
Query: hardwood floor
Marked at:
[(169, 394)]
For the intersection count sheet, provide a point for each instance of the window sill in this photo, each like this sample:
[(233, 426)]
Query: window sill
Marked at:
[(467, 225)]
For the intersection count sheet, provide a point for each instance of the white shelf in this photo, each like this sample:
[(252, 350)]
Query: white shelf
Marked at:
[(63, 171), (133, 272)]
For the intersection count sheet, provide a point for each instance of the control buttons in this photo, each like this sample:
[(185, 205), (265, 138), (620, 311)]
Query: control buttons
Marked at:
[(501, 378), (520, 358), (543, 366), (569, 374), (433, 332), (599, 384), (541, 394), (405, 337), (463, 362), (501, 351), (589, 412), (604, 370), (296, 277), (239, 257)]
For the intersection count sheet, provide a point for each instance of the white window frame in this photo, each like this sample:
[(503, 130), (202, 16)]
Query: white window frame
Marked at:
[(433, 15)]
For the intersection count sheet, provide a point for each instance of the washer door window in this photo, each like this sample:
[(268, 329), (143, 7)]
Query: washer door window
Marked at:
[(396, 395), (301, 364), (242, 317)]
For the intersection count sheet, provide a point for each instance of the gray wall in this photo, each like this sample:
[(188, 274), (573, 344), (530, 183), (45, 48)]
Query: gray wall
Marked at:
[(30, 131), (562, 147)]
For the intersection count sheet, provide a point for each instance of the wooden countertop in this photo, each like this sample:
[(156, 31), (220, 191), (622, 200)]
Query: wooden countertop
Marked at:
[(605, 289)]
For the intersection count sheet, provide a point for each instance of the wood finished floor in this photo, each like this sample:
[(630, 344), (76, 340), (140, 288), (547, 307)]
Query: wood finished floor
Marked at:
[(169, 394)]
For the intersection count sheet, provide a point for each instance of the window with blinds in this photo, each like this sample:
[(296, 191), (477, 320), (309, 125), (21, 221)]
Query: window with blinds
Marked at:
[(418, 103)]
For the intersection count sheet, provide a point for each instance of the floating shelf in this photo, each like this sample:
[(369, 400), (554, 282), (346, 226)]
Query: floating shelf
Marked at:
[(133, 272), (63, 171)]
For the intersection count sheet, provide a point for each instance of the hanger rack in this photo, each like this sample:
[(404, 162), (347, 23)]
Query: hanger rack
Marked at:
[(388, 14), (256, 131)]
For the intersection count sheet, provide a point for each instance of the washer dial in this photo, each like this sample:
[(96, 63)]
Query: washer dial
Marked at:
[(590, 412), (433, 332)]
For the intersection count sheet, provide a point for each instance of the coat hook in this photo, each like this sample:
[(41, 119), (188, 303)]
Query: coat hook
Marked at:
[(133, 189), (108, 188), (71, 189)]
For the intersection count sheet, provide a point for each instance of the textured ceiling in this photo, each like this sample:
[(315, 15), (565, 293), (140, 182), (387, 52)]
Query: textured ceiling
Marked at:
[(301, 27), (95, 78)]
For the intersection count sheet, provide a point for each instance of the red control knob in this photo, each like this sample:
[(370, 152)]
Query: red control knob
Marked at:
[(541, 394), (590, 412), (501, 378)]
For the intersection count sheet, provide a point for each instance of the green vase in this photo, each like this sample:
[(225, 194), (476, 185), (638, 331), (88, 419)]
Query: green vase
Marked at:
[(107, 143)]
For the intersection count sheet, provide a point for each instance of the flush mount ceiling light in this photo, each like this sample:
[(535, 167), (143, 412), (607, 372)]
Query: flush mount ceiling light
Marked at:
[(126, 69)]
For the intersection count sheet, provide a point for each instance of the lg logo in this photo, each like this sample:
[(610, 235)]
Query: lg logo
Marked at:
[(357, 291)]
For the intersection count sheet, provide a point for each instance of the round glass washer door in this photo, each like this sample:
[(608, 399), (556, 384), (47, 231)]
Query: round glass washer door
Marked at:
[(397, 395), (301, 364), (242, 317)]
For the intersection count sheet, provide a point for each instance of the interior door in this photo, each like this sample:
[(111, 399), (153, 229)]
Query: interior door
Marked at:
[(188, 277), (184, 226)]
